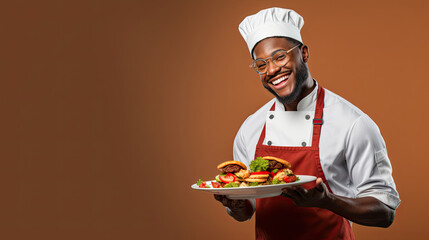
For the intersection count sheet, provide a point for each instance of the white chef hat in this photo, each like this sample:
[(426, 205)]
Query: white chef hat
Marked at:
[(271, 22)]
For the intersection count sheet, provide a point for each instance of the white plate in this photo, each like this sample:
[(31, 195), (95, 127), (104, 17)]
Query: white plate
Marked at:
[(263, 191)]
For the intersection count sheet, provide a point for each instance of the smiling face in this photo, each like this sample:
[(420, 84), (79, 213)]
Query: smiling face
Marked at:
[(290, 82)]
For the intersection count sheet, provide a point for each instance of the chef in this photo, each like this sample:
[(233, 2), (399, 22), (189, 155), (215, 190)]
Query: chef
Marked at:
[(319, 133)]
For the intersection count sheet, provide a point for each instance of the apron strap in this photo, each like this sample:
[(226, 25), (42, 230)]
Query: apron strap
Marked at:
[(317, 121), (318, 116)]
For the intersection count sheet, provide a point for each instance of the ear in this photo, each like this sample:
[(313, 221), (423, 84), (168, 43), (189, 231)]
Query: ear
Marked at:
[(305, 53)]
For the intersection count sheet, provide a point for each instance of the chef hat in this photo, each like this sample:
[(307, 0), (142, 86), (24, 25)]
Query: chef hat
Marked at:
[(271, 22)]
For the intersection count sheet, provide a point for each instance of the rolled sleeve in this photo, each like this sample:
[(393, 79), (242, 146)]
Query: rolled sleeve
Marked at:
[(240, 153), (369, 165)]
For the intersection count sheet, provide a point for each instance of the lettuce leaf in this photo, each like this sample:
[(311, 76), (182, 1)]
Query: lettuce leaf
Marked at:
[(252, 184), (231, 185), (259, 164), (217, 179), (277, 181), (199, 182)]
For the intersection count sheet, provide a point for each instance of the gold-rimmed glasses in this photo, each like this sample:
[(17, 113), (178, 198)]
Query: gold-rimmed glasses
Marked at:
[(279, 58)]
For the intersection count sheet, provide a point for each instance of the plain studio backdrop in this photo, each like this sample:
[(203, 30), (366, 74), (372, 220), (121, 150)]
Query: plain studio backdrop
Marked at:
[(110, 110)]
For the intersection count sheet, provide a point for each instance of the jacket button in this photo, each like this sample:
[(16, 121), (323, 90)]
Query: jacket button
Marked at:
[(269, 143), (304, 144), (307, 116), (271, 116)]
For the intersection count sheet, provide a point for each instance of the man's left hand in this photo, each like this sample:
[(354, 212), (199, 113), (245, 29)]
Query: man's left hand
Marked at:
[(314, 197)]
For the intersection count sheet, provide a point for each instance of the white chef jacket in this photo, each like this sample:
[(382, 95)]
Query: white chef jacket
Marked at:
[(352, 151)]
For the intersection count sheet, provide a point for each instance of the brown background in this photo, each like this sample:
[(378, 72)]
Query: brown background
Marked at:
[(110, 110)]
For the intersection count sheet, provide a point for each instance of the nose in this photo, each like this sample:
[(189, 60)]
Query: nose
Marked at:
[(272, 68)]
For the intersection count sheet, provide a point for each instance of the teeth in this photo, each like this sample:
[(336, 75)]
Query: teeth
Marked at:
[(279, 80)]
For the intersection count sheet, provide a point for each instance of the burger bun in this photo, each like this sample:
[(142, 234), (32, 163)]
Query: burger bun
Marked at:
[(284, 162), (224, 164), (257, 178)]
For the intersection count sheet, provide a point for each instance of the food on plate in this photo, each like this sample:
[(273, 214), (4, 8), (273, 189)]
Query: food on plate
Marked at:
[(260, 177), (263, 171), (202, 184), (232, 173), (271, 170), (280, 171)]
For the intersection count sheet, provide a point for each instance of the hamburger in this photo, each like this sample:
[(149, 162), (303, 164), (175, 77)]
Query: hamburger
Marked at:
[(232, 174), (263, 171), (270, 170), (280, 171)]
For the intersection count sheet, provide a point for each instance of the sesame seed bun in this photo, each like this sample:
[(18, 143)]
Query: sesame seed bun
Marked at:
[(284, 162), (220, 166)]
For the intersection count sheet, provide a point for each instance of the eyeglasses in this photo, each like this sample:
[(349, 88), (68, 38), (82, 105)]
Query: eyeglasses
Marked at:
[(279, 58)]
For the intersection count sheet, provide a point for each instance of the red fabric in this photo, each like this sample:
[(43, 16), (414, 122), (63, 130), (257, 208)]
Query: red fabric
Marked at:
[(278, 217)]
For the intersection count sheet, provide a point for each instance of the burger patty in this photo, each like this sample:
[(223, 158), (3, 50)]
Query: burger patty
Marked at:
[(232, 168), (275, 165)]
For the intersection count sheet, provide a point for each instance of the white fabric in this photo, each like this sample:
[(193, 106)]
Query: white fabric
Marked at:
[(352, 151), (271, 22), (279, 131)]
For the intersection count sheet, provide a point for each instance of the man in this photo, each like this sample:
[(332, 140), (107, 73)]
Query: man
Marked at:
[(320, 133)]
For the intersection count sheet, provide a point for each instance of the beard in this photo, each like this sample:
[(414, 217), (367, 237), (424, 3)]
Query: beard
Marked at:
[(300, 77)]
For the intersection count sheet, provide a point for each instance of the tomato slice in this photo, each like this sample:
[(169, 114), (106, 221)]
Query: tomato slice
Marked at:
[(228, 178), (215, 185), (272, 173), (203, 185), (289, 179), (261, 172)]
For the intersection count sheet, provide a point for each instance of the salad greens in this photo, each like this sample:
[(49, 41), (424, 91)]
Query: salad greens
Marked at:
[(232, 185), (259, 164), (252, 184), (277, 181)]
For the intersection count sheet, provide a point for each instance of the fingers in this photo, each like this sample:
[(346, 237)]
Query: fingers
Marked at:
[(219, 197), (230, 203), (307, 197), (295, 193)]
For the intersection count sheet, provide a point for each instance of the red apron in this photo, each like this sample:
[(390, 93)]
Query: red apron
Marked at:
[(278, 217)]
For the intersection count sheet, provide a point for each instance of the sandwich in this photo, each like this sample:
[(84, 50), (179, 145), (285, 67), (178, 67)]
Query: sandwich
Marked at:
[(279, 170), (270, 170), (232, 174), (263, 171)]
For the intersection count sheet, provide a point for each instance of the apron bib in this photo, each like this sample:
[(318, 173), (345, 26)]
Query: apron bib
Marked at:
[(278, 217)]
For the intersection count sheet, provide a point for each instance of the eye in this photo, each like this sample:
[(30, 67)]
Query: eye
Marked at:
[(262, 68), (280, 56), (260, 64)]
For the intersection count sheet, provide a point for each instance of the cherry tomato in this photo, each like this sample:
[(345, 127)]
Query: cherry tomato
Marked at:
[(289, 179), (203, 185)]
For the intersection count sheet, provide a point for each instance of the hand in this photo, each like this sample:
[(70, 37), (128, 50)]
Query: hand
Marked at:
[(234, 205), (315, 197), (241, 209)]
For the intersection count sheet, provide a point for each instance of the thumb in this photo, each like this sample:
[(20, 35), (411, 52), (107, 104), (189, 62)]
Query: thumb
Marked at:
[(320, 186)]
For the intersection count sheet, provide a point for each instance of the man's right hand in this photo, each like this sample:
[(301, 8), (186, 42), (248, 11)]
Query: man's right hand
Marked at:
[(241, 209)]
